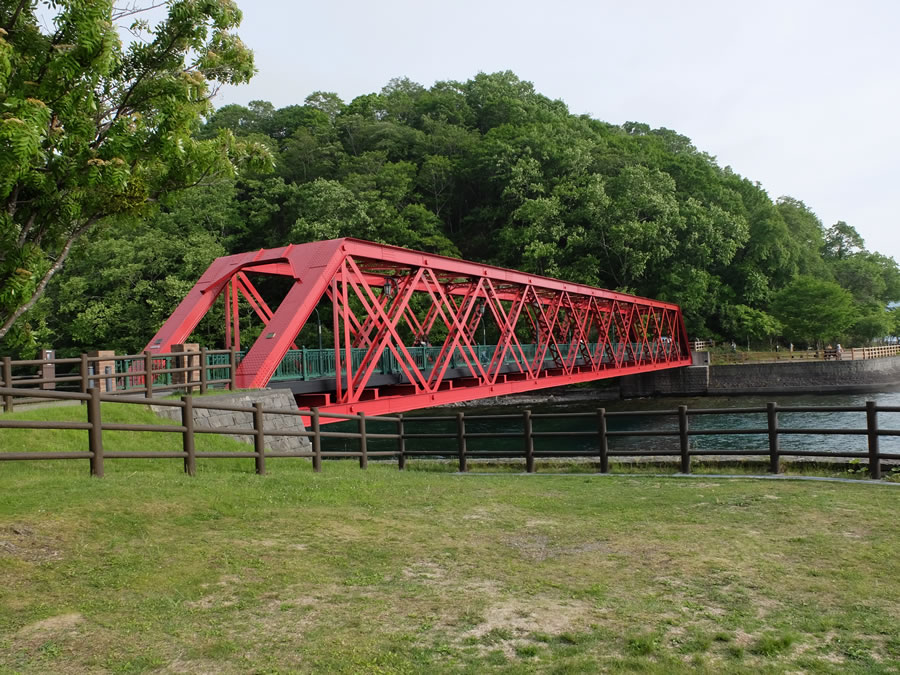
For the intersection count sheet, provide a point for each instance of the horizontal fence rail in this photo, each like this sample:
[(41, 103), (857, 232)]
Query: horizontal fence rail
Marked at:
[(447, 427), (119, 375)]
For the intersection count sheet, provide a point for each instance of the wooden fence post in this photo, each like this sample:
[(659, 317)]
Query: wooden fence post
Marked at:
[(401, 443), (529, 442), (461, 441), (872, 429), (259, 441), (316, 440), (83, 372), (204, 376), (603, 440), (95, 433), (683, 439), (187, 438), (148, 374), (232, 369), (7, 382), (772, 415), (363, 443)]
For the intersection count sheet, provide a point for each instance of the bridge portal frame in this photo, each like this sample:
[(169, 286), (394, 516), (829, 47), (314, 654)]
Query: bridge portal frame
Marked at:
[(371, 288)]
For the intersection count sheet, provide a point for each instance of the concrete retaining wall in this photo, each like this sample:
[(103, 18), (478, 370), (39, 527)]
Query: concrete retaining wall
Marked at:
[(775, 378), (689, 381), (272, 400)]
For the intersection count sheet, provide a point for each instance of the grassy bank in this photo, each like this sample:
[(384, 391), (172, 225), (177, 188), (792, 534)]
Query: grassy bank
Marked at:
[(423, 571)]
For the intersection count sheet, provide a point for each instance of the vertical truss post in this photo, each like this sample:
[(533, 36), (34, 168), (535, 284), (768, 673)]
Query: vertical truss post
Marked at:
[(337, 340), (235, 316)]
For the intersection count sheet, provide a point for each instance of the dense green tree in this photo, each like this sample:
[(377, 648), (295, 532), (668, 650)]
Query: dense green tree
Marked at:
[(328, 211), (842, 240), (751, 324), (813, 311), (872, 278), (894, 313), (862, 278), (91, 129), (641, 225), (873, 325), (805, 228)]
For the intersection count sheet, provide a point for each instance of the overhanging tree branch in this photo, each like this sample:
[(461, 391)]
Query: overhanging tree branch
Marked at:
[(48, 275)]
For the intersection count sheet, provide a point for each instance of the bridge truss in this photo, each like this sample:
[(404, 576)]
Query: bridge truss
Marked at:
[(384, 299)]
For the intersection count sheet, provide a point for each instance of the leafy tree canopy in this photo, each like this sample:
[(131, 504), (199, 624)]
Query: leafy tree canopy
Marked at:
[(814, 311), (93, 130)]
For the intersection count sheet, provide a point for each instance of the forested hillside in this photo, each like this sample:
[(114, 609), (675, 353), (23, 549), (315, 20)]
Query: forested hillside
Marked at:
[(488, 170)]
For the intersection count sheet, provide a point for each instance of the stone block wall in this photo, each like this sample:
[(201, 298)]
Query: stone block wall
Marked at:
[(272, 401), (690, 380), (805, 376), (784, 377)]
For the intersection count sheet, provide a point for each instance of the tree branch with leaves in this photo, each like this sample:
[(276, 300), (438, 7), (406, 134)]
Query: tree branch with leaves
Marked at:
[(92, 128)]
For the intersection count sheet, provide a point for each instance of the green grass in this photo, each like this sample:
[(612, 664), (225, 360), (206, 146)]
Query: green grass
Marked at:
[(148, 570)]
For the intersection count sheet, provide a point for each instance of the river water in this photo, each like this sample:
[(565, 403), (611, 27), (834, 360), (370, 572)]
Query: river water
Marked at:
[(587, 444)]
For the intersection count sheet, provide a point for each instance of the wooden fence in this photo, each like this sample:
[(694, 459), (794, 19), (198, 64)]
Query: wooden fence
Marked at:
[(119, 375), (701, 345), (681, 428), (882, 351), (784, 356)]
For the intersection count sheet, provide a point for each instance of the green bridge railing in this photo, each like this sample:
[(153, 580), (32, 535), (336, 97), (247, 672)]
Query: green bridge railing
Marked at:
[(314, 364)]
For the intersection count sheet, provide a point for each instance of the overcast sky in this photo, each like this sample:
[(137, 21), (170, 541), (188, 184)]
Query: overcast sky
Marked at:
[(802, 96)]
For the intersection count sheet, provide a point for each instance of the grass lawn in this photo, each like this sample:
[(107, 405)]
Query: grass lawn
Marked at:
[(148, 570)]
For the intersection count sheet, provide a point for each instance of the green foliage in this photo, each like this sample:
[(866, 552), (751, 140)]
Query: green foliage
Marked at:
[(121, 284), (751, 324), (842, 240), (877, 324), (92, 130), (490, 170), (814, 311)]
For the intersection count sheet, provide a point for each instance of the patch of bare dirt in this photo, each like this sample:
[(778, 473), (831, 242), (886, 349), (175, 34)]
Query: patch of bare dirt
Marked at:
[(510, 622), (221, 595), (424, 571), (278, 543), (742, 639), (540, 547), (478, 515), (52, 628), (26, 543), (180, 667), (432, 574), (537, 522)]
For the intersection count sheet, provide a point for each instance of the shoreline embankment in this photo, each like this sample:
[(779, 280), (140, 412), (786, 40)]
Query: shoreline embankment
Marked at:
[(782, 378), (810, 377)]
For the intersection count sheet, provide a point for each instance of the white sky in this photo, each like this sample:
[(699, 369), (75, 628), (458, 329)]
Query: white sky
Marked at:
[(800, 95)]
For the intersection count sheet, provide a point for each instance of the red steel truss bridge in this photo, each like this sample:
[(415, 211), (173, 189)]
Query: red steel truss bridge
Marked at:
[(406, 327)]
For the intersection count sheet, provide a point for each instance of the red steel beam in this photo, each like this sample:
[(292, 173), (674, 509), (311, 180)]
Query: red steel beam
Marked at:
[(371, 287)]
